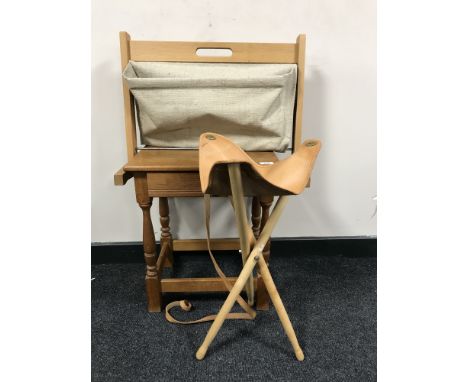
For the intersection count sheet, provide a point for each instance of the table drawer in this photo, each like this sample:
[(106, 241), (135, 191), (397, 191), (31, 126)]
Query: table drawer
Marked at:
[(174, 184)]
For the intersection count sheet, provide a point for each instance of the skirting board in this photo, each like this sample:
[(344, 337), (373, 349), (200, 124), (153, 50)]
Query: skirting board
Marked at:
[(132, 252)]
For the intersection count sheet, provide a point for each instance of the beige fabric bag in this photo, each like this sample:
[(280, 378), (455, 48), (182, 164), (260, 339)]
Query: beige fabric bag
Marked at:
[(251, 104)]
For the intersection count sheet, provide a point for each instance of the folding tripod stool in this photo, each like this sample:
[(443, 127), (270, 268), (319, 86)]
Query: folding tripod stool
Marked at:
[(223, 163)]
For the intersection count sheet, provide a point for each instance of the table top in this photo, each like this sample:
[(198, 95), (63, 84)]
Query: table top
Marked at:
[(180, 160)]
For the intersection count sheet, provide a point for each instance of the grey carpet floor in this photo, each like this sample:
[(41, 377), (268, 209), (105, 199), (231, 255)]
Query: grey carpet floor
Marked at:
[(331, 300)]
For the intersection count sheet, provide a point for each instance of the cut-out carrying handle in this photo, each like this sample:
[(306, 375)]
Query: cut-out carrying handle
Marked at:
[(213, 52)]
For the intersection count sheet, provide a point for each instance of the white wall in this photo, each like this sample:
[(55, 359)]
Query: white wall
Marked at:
[(339, 108)]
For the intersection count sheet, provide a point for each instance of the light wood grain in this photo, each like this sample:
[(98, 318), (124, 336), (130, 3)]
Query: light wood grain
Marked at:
[(227, 306), (183, 51), (300, 60), (249, 265), (280, 309), (238, 202), (255, 258), (129, 104)]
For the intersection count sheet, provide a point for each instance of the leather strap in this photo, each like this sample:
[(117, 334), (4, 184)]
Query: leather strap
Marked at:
[(186, 306)]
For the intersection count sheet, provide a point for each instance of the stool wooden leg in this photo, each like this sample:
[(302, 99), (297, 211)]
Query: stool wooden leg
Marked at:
[(152, 281), (263, 299), (229, 303), (249, 265), (280, 309), (242, 221), (166, 235)]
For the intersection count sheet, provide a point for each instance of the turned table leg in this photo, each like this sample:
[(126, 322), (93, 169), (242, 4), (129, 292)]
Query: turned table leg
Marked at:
[(166, 235), (264, 202), (256, 216), (152, 281), (262, 294)]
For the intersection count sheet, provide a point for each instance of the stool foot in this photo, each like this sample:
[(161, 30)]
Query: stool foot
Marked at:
[(201, 353), (299, 355), (228, 304)]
